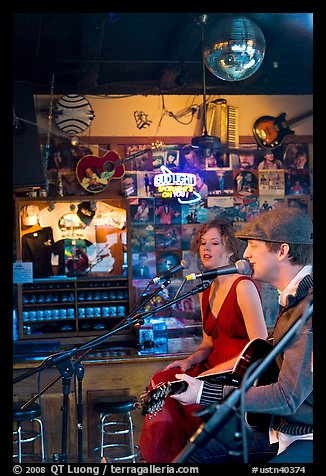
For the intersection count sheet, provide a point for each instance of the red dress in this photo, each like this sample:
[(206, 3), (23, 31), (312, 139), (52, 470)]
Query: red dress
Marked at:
[(164, 435)]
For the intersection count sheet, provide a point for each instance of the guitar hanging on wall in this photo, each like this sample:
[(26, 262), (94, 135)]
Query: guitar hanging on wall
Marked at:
[(94, 173), (270, 131)]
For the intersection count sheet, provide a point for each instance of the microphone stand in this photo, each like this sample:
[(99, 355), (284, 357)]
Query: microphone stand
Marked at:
[(222, 413), (67, 368)]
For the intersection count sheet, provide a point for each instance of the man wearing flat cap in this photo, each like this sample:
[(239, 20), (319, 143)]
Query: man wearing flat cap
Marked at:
[(279, 249)]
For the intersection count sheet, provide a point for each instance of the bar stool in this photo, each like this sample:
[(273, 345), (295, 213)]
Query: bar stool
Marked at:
[(31, 414), (116, 421)]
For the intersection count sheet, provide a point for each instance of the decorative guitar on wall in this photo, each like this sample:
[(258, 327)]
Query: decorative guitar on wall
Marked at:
[(152, 401), (270, 131), (94, 173)]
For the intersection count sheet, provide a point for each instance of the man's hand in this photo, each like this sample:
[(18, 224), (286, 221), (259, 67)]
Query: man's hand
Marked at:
[(190, 395)]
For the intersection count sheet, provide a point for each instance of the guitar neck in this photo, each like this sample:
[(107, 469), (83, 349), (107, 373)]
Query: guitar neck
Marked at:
[(132, 156), (223, 378), (296, 119)]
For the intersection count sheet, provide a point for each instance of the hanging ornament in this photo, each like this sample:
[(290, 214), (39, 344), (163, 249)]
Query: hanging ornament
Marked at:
[(73, 114), (234, 48)]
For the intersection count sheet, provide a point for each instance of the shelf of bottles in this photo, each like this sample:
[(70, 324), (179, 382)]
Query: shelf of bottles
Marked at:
[(71, 306)]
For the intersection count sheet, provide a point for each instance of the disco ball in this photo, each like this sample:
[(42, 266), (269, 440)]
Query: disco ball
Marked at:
[(234, 48)]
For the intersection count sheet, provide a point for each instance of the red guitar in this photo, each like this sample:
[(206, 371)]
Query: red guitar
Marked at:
[(152, 402), (270, 131), (94, 173)]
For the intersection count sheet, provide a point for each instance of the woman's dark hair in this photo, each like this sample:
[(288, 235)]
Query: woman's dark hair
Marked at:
[(229, 240)]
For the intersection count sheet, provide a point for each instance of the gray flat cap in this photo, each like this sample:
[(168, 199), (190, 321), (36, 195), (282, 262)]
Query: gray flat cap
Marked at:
[(281, 225)]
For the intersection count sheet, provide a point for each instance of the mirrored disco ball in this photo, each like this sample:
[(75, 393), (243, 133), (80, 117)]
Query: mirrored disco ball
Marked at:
[(234, 48)]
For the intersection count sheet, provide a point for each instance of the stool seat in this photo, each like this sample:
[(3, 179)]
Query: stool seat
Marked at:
[(31, 411), (115, 404)]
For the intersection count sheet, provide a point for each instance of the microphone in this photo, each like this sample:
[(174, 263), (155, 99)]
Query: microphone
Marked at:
[(182, 265), (241, 266)]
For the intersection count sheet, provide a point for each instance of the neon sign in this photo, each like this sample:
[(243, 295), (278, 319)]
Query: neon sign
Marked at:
[(176, 185)]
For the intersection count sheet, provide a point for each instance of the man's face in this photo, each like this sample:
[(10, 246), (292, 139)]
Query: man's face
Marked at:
[(247, 161), (264, 262), (143, 260), (269, 156)]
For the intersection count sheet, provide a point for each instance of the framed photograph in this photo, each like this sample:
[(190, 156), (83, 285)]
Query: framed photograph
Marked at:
[(142, 210), (296, 156), (142, 238), (143, 265), (167, 237), (135, 162), (297, 182), (271, 182), (245, 182), (219, 182)]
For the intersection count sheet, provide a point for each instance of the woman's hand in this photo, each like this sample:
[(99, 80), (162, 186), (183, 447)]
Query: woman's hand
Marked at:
[(184, 365), (190, 395)]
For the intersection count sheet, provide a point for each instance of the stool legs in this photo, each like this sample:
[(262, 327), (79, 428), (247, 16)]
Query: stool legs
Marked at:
[(124, 430), (34, 436)]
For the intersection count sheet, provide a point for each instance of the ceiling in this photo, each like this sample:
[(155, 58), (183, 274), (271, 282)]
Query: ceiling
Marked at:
[(145, 53)]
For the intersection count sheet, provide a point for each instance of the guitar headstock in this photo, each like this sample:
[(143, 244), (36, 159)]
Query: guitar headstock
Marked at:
[(152, 401)]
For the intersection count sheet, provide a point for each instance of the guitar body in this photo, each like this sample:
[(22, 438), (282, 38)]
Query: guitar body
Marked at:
[(270, 131), (152, 401), (108, 167)]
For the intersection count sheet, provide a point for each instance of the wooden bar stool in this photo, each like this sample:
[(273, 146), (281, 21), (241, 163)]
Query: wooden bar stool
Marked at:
[(116, 427), (24, 434)]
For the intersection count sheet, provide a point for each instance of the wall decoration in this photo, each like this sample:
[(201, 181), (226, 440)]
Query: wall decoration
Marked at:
[(171, 159), (145, 184), (217, 161), (270, 131), (191, 159), (143, 265), (142, 210), (297, 182), (219, 182), (271, 160), (194, 213), (167, 212), (73, 114), (142, 238), (129, 187), (167, 237), (269, 202), (230, 186), (166, 260), (187, 233), (248, 158), (302, 202), (245, 182), (141, 162)]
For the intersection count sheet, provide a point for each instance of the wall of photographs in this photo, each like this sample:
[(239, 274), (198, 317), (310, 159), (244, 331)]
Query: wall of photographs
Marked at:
[(235, 187)]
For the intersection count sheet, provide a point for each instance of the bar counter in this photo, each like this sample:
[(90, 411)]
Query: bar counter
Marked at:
[(114, 369)]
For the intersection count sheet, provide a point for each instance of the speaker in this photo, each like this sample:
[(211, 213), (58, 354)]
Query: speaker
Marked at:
[(27, 159)]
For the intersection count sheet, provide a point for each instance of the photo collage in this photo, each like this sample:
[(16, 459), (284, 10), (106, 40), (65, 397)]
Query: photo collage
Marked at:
[(235, 187)]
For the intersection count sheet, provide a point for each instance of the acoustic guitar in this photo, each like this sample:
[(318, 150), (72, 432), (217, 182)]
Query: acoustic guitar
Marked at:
[(105, 168), (270, 131), (153, 400)]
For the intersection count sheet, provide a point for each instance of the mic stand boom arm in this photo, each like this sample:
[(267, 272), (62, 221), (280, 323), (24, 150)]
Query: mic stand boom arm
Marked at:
[(222, 412)]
